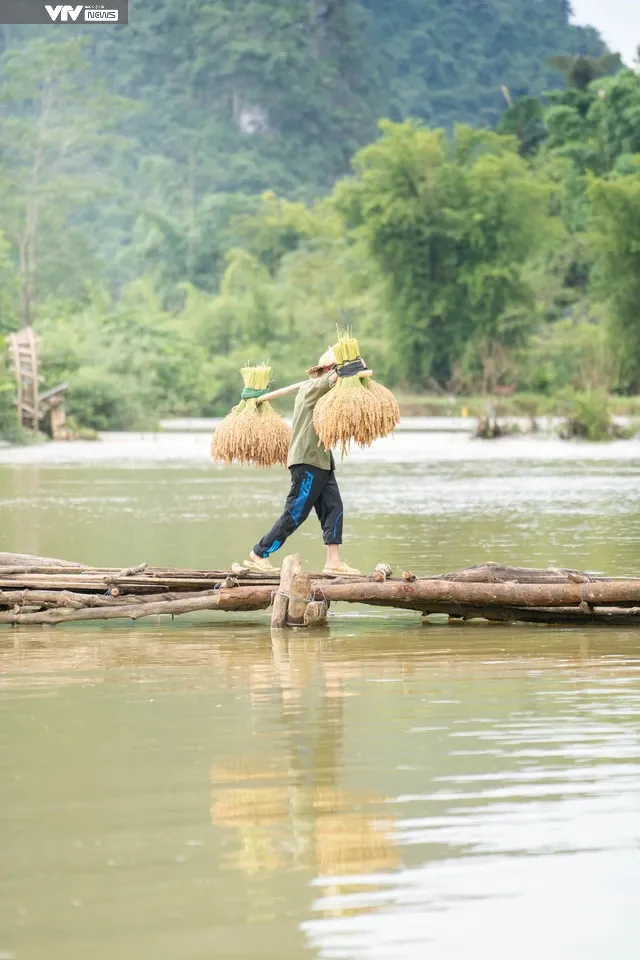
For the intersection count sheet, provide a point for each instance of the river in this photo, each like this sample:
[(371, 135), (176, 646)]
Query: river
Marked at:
[(384, 788)]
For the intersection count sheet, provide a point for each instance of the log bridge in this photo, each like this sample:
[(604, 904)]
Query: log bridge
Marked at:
[(41, 590)]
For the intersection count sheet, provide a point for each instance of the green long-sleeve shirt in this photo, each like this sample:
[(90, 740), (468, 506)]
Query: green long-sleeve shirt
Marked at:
[(306, 446)]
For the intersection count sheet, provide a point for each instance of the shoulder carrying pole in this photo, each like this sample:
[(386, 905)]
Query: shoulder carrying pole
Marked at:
[(292, 388)]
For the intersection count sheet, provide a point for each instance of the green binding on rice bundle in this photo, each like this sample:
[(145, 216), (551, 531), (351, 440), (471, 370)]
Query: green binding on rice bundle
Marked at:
[(253, 432), (356, 409)]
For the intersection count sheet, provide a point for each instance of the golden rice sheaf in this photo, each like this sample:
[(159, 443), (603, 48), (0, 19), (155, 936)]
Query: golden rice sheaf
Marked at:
[(389, 411), (252, 434), (355, 410)]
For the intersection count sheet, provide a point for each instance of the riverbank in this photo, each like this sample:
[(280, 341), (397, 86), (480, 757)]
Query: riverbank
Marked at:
[(516, 405)]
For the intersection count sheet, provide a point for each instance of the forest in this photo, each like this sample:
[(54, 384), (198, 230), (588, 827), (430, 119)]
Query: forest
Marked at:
[(458, 182)]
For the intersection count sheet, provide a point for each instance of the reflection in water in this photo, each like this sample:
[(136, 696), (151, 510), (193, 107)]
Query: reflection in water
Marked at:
[(189, 791), (297, 814)]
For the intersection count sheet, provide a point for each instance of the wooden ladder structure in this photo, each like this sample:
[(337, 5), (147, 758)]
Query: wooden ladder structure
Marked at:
[(32, 406)]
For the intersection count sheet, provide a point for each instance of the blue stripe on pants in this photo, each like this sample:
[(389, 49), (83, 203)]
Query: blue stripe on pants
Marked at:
[(301, 500)]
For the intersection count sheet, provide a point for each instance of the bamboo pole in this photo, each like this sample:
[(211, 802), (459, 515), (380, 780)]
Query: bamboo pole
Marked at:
[(281, 392), (294, 387)]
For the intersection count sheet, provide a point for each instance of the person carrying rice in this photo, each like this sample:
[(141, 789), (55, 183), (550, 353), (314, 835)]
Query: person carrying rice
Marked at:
[(313, 481)]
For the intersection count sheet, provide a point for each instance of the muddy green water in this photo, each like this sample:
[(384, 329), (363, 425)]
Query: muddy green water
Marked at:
[(381, 789)]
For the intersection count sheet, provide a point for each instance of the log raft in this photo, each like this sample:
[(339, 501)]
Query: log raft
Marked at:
[(40, 590)]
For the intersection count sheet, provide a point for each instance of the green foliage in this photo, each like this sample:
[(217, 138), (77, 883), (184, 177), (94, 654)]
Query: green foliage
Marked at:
[(574, 352), (54, 125), (249, 95), (445, 62), (449, 224), (596, 126), (9, 286), (169, 208), (127, 361), (8, 419), (615, 222), (588, 415), (525, 120), (581, 71)]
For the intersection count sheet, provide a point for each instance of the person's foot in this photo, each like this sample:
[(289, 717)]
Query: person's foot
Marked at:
[(342, 570), (260, 564)]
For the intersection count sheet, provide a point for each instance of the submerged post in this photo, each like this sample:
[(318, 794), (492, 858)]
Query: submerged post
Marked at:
[(294, 604), (299, 597), (291, 567), (316, 613)]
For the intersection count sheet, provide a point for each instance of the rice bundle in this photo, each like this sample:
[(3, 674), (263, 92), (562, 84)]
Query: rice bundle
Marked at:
[(355, 409), (388, 409), (253, 432)]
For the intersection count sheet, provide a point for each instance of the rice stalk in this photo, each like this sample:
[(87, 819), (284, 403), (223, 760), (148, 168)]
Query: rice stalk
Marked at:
[(388, 409), (349, 412), (252, 432), (346, 349), (355, 409)]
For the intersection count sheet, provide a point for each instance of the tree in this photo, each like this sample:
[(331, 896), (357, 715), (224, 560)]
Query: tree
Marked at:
[(525, 120), (615, 225), (445, 62), (581, 71), (54, 130), (449, 223), (9, 287), (596, 126)]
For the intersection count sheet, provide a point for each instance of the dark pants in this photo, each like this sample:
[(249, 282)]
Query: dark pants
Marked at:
[(311, 488)]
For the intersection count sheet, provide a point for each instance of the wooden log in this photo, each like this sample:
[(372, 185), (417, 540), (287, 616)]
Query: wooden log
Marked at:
[(82, 583), (316, 613), (299, 598), (616, 616), (427, 592), (55, 598), (7, 571), (291, 568), (491, 572), (492, 591), (27, 559), (253, 598), (101, 583), (258, 598), (382, 572), (132, 571)]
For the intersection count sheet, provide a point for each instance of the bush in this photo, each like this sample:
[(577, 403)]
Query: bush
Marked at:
[(575, 352), (588, 415), (102, 400), (9, 429)]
